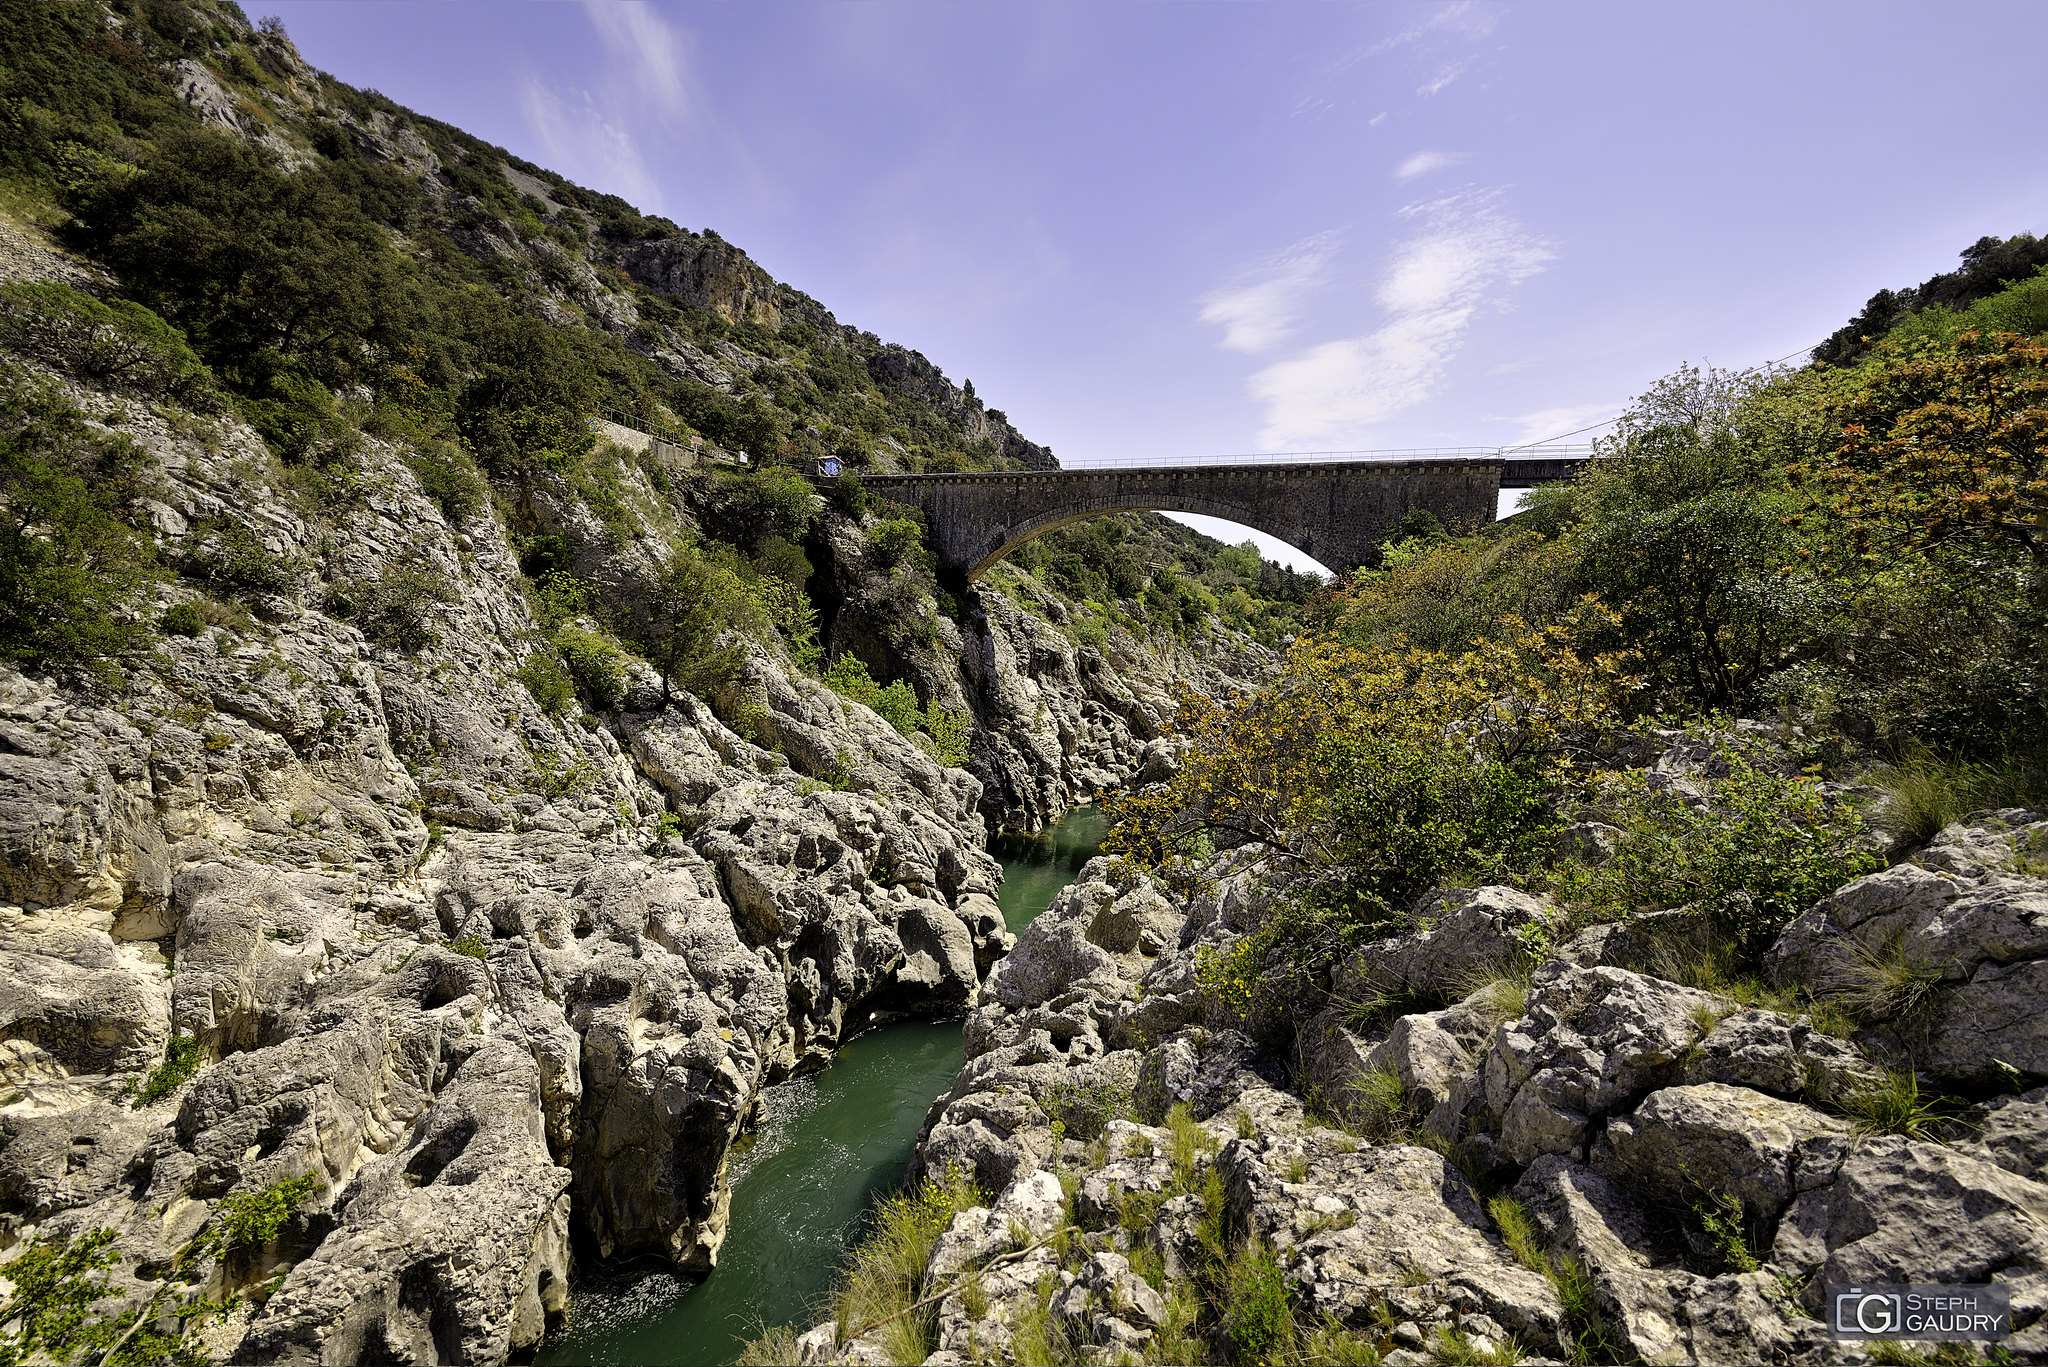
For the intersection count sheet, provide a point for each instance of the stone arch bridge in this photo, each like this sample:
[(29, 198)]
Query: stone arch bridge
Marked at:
[(1335, 511)]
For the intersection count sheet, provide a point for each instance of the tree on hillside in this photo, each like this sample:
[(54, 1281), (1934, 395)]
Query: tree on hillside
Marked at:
[(1989, 265), (245, 258), (1948, 447)]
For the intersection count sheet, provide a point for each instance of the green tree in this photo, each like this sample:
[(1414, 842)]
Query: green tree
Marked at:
[(245, 258), (531, 402), (69, 565), (686, 612)]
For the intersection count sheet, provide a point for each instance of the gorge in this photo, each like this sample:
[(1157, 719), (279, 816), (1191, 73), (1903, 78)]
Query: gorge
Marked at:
[(475, 891)]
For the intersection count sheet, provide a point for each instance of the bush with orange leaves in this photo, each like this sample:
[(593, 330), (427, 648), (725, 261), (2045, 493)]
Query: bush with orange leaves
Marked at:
[(1380, 772), (1947, 447)]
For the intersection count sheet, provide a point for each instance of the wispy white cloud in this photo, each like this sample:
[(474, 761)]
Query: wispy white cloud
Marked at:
[(1463, 257), (592, 133), (1422, 163), (1461, 20), (1376, 120), (648, 54), (1257, 310), (1448, 72), (580, 137)]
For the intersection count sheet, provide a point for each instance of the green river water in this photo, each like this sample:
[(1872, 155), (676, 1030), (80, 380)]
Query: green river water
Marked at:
[(827, 1147)]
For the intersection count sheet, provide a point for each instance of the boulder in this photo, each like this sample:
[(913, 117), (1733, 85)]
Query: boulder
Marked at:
[(1350, 1226), (1661, 1312), (1466, 931), (1685, 1144), (1593, 1041), (1903, 1209)]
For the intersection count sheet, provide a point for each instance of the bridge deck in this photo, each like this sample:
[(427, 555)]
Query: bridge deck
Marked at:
[(1515, 472)]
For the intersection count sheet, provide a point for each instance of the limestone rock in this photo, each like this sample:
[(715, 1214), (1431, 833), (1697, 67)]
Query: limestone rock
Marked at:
[(1592, 1042), (1469, 930), (1903, 1209), (1351, 1225), (1719, 1140), (1662, 1312)]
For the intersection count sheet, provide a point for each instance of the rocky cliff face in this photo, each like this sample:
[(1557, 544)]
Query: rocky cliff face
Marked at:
[(494, 980), (1068, 703), (1591, 1162)]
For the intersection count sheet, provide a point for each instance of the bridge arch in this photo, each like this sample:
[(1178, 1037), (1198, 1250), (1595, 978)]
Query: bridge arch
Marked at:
[(1052, 519)]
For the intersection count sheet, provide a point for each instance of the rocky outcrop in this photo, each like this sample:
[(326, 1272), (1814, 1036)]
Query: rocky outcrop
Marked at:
[(709, 273), (475, 982), (1678, 1178), (1949, 950), (1057, 721)]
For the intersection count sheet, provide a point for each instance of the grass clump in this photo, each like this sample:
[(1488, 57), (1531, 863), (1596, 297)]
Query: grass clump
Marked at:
[(1375, 1106), (1886, 983), (1587, 1337), (1449, 1346), (771, 1346), (1328, 1344), (1925, 791), (1721, 1220), (1259, 1318), (1187, 1142), (1894, 1105), (886, 1273)]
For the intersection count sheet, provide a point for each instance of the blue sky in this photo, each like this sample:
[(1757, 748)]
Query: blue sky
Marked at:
[(1147, 229)]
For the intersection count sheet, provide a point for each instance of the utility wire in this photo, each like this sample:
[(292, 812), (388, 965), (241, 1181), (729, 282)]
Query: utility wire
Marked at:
[(1617, 417)]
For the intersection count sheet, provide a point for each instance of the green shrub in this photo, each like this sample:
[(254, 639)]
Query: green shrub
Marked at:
[(557, 775), (469, 946), (950, 733), (896, 539), (790, 609), (395, 609), (683, 620), (1726, 1227), (771, 501), (1258, 1313), (597, 666), (182, 619), (547, 681), (849, 495), (448, 477), (181, 1061), (54, 1287), (254, 1219), (69, 564), (896, 704), (231, 553), (118, 343), (1759, 851)]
